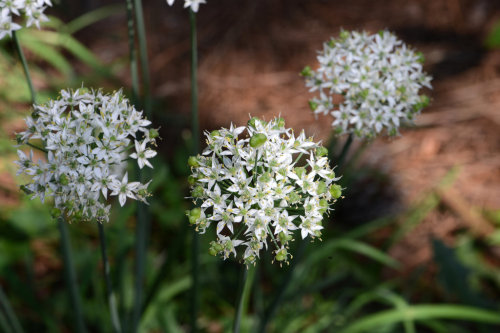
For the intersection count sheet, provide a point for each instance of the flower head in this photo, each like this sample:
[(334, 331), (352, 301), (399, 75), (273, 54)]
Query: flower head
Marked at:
[(32, 10), (86, 135), (376, 78), (193, 4), (257, 190)]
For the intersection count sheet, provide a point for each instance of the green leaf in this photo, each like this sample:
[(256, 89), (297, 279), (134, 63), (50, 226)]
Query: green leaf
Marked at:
[(422, 312)]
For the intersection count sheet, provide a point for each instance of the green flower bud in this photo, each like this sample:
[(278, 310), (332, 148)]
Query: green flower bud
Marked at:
[(63, 180), (198, 192), (193, 161), (193, 215), (323, 203), (215, 133), (153, 133), (321, 151), (313, 105), (306, 72), (253, 121), (321, 187), (281, 255), (257, 140), (192, 180), (335, 191), (299, 171), (284, 238), (294, 197)]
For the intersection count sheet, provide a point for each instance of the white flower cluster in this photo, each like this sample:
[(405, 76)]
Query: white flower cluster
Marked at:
[(255, 191), (31, 9), (194, 4), (376, 78), (86, 136)]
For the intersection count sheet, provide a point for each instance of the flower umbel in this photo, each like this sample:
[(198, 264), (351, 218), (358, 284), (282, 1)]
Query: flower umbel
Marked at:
[(256, 193), (367, 83), (86, 135)]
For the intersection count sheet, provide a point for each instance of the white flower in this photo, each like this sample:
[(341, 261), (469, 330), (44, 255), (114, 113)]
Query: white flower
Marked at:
[(254, 192), (32, 10), (378, 78), (142, 154), (193, 4), (86, 135)]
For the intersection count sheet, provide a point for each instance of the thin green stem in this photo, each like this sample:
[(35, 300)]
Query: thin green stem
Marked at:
[(69, 270), (25, 67), (36, 147), (143, 51), (195, 265), (345, 150), (115, 321), (269, 312), (143, 218), (132, 51), (245, 287), (11, 315)]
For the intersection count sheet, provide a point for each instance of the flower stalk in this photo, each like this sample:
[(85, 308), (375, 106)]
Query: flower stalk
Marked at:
[(115, 320), (25, 67)]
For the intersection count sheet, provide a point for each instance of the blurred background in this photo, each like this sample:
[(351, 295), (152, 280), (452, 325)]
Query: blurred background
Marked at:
[(426, 204)]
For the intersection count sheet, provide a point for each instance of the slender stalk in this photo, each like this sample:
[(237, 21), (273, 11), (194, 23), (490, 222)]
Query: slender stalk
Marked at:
[(143, 219), (37, 148), (269, 312), (132, 51), (115, 321), (143, 51), (69, 270), (345, 150), (9, 312), (25, 67), (245, 287), (195, 265)]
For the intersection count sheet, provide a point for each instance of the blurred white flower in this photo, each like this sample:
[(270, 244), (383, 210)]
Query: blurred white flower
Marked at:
[(87, 135), (32, 10), (376, 78), (255, 192), (193, 4)]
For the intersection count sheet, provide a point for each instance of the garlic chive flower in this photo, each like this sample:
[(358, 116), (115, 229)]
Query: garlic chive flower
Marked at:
[(260, 188), (86, 135), (15, 10), (376, 78), (193, 4)]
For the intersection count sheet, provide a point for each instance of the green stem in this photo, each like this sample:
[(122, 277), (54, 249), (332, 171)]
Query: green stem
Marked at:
[(38, 148), (25, 67), (269, 312), (345, 150), (195, 137), (143, 51), (69, 271), (11, 315), (115, 321), (143, 217), (246, 284), (132, 51)]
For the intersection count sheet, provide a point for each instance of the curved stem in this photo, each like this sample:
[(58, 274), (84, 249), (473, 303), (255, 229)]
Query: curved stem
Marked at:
[(195, 265), (69, 270), (25, 67), (115, 321)]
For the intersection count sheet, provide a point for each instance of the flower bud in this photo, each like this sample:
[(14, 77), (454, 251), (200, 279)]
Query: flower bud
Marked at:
[(321, 151), (335, 191), (257, 140), (193, 161)]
